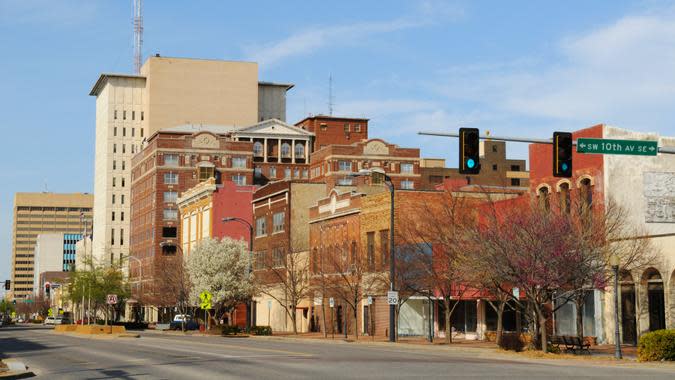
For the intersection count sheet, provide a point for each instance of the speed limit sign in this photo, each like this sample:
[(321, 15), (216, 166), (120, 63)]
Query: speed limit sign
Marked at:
[(111, 299), (392, 297)]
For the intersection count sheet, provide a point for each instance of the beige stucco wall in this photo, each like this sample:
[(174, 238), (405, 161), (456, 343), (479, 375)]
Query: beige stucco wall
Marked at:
[(624, 180), (200, 91)]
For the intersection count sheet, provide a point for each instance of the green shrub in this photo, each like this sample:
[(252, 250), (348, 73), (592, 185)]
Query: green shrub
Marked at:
[(229, 330), (657, 345), (261, 330), (512, 342)]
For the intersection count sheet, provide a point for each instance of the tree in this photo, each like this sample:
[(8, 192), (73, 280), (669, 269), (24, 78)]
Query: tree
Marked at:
[(222, 269), (172, 284), (95, 282), (6, 307), (288, 272)]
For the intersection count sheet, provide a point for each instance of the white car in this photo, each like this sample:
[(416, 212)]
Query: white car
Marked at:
[(50, 321)]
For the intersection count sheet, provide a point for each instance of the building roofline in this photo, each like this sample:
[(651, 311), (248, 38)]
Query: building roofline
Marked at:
[(321, 116), (287, 85), (103, 78)]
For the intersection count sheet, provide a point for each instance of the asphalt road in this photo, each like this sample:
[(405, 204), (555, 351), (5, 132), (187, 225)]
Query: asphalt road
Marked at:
[(159, 356)]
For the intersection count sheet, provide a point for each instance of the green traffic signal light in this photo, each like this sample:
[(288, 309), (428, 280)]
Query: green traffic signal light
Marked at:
[(562, 154), (469, 151)]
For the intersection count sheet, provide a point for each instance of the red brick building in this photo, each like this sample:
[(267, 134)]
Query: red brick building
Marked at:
[(329, 130), (169, 164), (335, 163)]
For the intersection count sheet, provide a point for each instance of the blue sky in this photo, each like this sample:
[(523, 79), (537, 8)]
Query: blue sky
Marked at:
[(516, 68)]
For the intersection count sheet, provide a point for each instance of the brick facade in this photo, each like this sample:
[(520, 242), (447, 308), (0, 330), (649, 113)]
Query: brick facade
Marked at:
[(331, 130)]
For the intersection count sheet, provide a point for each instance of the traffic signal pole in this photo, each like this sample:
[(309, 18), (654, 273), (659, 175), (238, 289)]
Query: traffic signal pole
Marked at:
[(662, 149)]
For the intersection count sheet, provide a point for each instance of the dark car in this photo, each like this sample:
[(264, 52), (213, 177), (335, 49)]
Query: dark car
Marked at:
[(179, 319)]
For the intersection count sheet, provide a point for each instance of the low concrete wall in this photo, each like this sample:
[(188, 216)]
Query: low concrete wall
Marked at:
[(65, 328), (99, 329)]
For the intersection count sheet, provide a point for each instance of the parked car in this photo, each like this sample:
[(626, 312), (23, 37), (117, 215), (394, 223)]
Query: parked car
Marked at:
[(178, 320), (62, 321), (49, 321)]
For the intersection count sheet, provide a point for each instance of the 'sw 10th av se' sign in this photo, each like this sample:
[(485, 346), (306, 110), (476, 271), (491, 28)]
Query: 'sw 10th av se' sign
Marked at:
[(608, 146)]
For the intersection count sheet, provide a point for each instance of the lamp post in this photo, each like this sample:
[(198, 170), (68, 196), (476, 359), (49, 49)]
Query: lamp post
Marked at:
[(249, 307), (140, 274), (614, 261), (392, 268)]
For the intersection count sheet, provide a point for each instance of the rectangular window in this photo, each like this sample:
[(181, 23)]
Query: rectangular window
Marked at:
[(133, 148), (238, 162), (122, 236), (169, 232), (296, 173), (357, 128), (260, 227), (205, 172), (407, 168), (305, 173), (112, 236), (273, 172), (123, 166), (122, 199), (287, 173), (124, 132), (114, 165), (384, 247), (515, 181), (170, 214), (114, 148), (257, 172), (142, 118), (407, 185), (346, 128), (170, 196), (494, 167), (133, 117), (239, 180), (278, 219), (324, 127), (278, 257), (259, 260), (122, 216), (344, 181), (515, 168), (124, 148), (113, 181), (133, 132), (113, 199), (115, 131), (170, 178), (123, 182), (370, 237), (141, 132), (124, 115), (170, 160), (113, 216), (115, 114), (345, 166)]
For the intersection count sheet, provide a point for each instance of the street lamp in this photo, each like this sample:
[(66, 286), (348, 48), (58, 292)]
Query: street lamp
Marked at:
[(249, 307), (614, 261), (392, 271), (140, 274)]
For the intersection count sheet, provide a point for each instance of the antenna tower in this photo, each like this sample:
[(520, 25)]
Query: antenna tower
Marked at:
[(138, 35), (330, 94)]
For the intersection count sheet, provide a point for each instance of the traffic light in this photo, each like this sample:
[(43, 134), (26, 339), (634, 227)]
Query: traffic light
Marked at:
[(469, 161), (47, 289), (8, 284), (562, 154)]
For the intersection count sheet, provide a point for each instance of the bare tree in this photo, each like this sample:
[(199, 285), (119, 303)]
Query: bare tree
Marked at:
[(288, 272), (172, 284)]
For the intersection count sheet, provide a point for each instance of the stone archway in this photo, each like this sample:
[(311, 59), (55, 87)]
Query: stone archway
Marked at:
[(628, 309), (655, 307)]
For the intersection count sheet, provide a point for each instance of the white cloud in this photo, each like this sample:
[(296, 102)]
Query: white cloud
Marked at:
[(319, 36), (621, 74)]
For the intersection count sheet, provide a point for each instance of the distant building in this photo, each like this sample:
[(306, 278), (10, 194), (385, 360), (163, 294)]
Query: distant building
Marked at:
[(55, 252), (37, 213), (496, 169), (335, 164), (168, 92), (331, 130)]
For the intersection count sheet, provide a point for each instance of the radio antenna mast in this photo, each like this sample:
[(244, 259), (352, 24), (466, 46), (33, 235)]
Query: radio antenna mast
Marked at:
[(330, 94), (138, 35)]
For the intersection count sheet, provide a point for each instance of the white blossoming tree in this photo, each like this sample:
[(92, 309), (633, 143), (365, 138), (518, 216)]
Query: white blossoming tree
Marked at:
[(221, 267)]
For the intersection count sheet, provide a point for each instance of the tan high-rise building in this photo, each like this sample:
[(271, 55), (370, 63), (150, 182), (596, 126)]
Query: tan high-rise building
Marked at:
[(36, 213), (167, 93)]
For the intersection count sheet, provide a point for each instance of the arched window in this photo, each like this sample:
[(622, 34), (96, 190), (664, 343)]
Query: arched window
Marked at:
[(299, 150), (565, 198), (258, 149), (655, 299), (285, 150), (543, 198)]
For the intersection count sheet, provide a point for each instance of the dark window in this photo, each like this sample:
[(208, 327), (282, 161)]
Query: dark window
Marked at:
[(384, 247), (168, 250), (169, 232), (494, 167), (133, 115), (124, 115), (494, 148), (371, 249), (515, 181), (515, 168)]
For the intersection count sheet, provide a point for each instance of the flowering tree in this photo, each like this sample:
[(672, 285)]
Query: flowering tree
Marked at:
[(222, 269)]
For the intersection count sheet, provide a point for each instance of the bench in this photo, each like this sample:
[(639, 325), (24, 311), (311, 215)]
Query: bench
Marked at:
[(574, 344)]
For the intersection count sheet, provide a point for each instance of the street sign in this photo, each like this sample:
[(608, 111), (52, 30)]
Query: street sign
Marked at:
[(111, 299), (50, 313), (331, 302), (392, 297), (205, 298), (370, 300), (609, 146)]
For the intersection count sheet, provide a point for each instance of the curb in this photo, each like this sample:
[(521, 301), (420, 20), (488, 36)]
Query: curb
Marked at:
[(16, 370)]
